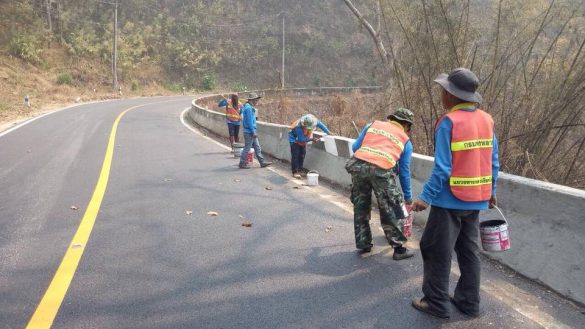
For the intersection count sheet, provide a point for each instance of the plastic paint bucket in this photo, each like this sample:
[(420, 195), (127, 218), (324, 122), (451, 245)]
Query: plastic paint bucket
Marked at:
[(494, 234), (313, 178), (237, 149), (407, 227), (250, 157)]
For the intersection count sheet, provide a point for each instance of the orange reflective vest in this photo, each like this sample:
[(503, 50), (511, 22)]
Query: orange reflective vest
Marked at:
[(306, 132), (231, 113), (472, 138), (383, 144)]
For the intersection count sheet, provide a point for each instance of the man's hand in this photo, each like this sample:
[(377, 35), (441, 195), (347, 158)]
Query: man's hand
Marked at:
[(316, 139), (408, 202), (493, 202), (419, 205)]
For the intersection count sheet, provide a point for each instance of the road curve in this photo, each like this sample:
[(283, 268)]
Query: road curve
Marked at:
[(154, 258)]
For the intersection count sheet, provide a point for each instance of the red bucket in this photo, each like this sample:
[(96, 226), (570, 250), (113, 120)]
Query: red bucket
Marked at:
[(250, 157), (407, 228)]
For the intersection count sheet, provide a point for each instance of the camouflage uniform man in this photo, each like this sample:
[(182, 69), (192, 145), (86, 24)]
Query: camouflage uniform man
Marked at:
[(381, 151)]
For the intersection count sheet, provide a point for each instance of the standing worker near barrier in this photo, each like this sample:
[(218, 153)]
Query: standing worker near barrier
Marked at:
[(462, 183), (300, 133), (250, 133), (232, 117), (382, 150)]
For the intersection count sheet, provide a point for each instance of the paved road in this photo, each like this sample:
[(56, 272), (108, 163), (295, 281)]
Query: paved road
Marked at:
[(156, 259)]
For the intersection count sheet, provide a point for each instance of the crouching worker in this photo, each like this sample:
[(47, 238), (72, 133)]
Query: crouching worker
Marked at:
[(381, 151), (301, 132)]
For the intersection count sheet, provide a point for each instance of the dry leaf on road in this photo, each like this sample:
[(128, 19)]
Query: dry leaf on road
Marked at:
[(212, 213), (73, 207), (247, 224), (237, 180), (329, 228), (268, 188), (189, 212)]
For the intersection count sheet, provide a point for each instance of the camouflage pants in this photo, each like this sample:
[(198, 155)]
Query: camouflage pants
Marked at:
[(366, 177)]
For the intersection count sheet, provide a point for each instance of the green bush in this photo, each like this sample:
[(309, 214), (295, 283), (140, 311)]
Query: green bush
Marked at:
[(208, 82), (240, 86), (172, 86), (134, 86), (25, 46), (64, 79)]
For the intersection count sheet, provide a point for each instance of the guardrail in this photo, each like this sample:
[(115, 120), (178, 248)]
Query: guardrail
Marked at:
[(547, 221)]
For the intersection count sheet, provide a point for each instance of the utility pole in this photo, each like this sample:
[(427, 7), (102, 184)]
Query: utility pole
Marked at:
[(282, 74), (115, 50)]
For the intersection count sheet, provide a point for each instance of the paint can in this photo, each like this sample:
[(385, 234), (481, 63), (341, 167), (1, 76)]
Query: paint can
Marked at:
[(237, 149), (250, 157), (313, 178), (494, 234), (407, 227)]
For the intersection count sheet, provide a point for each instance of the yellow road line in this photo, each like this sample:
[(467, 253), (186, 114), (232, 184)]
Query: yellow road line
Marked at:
[(51, 302)]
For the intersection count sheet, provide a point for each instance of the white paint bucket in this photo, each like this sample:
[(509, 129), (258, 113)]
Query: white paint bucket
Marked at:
[(494, 234), (237, 149), (313, 178), (407, 227), (250, 157)]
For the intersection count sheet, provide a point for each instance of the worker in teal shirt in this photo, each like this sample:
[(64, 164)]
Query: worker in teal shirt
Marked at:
[(300, 133)]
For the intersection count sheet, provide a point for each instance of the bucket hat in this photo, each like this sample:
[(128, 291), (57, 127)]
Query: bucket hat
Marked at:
[(461, 83), (402, 114), (309, 121), (252, 96)]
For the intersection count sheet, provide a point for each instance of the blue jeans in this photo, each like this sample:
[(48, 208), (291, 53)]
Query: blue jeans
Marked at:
[(297, 156), (250, 142), (233, 130)]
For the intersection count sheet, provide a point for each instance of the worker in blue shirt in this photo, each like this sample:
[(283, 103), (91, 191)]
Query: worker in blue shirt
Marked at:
[(462, 183), (250, 133), (381, 151), (300, 133)]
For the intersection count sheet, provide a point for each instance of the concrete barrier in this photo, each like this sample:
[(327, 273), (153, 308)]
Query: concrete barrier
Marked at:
[(547, 221)]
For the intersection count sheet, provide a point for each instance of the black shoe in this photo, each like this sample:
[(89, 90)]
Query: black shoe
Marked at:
[(422, 305), (462, 310), (366, 249), (244, 167), (401, 253), (265, 164)]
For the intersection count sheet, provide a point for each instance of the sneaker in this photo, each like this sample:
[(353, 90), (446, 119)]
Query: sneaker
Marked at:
[(462, 310), (297, 175), (265, 164), (244, 167), (422, 305), (401, 253)]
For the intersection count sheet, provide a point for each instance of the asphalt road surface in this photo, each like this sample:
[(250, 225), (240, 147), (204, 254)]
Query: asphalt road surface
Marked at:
[(148, 254)]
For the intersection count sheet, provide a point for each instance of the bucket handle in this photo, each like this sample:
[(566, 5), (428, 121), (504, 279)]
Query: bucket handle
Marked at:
[(502, 214), (313, 172)]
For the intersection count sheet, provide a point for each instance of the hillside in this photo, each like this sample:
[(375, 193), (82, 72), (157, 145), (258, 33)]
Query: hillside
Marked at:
[(528, 54)]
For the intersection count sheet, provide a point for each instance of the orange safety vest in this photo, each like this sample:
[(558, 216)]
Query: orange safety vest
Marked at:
[(383, 144), (232, 113), (472, 138), (306, 132)]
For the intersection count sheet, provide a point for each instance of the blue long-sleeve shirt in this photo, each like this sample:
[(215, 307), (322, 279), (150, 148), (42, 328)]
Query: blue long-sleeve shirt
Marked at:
[(436, 190), (403, 163), (249, 119), (296, 134)]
